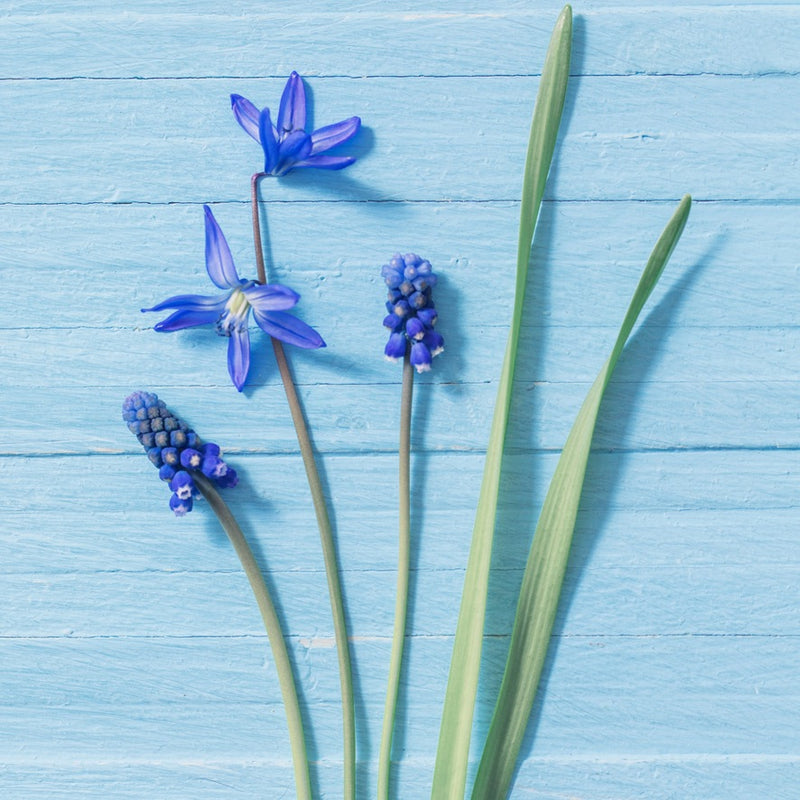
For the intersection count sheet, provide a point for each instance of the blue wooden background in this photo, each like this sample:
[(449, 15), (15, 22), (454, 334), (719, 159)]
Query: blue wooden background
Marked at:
[(133, 663)]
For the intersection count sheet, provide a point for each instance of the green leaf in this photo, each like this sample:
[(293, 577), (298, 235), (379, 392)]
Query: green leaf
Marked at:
[(450, 771), (547, 561)]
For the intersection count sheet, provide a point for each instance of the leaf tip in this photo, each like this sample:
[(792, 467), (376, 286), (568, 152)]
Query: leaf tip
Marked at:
[(684, 207), (565, 18)]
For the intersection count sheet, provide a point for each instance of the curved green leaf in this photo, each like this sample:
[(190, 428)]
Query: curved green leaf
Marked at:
[(450, 771), (547, 561)]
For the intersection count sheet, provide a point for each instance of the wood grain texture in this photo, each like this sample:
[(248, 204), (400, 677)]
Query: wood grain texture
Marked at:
[(632, 137), (451, 39), (132, 660)]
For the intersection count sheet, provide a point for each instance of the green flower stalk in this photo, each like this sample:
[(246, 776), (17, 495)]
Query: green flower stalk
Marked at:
[(142, 406), (412, 338)]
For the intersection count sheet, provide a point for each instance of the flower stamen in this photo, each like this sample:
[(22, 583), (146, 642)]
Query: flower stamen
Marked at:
[(235, 315)]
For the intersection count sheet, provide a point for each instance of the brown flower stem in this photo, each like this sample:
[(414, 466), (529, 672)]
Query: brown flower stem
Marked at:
[(260, 269), (323, 523)]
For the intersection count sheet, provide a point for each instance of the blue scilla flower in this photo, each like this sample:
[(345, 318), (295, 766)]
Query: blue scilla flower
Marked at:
[(230, 312), (175, 449), (412, 314), (286, 145)]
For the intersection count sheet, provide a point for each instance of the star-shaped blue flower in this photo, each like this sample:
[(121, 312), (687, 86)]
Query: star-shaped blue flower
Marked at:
[(230, 312), (287, 146)]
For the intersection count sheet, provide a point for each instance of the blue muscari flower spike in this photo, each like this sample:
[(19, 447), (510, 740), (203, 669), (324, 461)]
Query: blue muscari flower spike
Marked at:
[(286, 144), (175, 449), (412, 314), (230, 312)]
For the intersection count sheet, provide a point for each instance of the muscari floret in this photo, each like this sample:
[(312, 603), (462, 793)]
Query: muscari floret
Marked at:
[(412, 314), (175, 449), (286, 144)]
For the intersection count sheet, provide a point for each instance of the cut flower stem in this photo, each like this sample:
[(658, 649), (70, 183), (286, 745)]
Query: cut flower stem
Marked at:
[(272, 624), (323, 522), (403, 560)]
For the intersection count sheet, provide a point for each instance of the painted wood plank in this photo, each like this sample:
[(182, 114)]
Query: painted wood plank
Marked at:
[(625, 601), (195, 359), (648, 415), (196, 681), (706, 479), (490, 39), (247, 7), (676, 647), (720, 707), (592, 777), (57, 603), (65, 540), (96, 265), (625, 138), (212, 673)]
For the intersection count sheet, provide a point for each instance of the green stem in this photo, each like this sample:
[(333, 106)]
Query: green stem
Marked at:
[(274, 633), (323, 523), (401, 599)]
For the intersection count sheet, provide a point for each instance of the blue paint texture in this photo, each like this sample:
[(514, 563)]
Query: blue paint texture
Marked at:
[(133, 663)]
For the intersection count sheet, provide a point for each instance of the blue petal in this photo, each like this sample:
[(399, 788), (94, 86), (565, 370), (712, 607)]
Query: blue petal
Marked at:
[(415, 329), (292, 112), (420, 357), (268, 141), (182, 484), (271, 297), (228, 480), (434, 342), (239, 357), (219, 261), (295, 147), (191, 302), (166, 472), (186, 319), (180, 507), (323, 139), (396, 346), (392, 322), (288, 328), (428, 316), (213, 467), (326, 162), (246, 115)]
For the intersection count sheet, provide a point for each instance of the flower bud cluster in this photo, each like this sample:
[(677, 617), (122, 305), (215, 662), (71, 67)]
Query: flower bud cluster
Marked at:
[(175, 449), (412, 314)]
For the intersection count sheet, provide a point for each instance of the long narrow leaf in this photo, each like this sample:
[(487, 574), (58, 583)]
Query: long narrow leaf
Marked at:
[(450, 771), (547, 561)]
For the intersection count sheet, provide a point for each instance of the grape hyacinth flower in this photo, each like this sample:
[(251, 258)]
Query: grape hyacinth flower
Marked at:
[(175, 449), (230, 312), (412, 339), (412, 314), (286, 144)]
